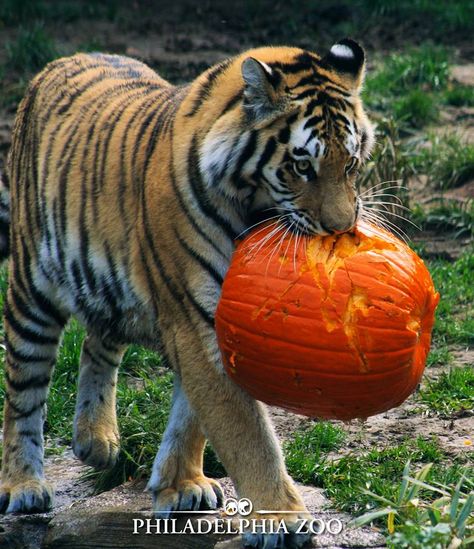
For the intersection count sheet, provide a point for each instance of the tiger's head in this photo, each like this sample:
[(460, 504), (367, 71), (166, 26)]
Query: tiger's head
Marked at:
[(295, 142)]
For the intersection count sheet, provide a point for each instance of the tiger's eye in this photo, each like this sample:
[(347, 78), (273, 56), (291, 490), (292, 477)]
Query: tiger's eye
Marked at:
[(303, 167)]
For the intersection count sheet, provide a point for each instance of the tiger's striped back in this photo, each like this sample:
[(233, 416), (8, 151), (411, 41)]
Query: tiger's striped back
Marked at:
[(81, 122)]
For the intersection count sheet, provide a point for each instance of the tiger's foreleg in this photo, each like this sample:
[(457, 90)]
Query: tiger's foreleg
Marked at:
[(177, 481), (96, 435), (32, 332), (239, 430)]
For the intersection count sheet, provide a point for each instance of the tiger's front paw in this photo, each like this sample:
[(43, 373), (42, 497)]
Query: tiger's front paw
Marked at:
[(96, 445), (289, 536), (29, 496), (187, 495)]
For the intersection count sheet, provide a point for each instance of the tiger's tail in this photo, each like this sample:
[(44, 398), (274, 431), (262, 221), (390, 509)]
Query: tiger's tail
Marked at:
[(4, 216)]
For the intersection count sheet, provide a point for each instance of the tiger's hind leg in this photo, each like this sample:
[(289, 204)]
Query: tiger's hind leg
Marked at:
[(33, 328), (177, 481), (96, 435)]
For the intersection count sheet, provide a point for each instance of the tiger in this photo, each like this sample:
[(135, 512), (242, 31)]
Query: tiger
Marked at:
[(120, 205)]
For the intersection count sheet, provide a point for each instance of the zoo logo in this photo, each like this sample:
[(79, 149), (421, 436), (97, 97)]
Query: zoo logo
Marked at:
[(243, 506)]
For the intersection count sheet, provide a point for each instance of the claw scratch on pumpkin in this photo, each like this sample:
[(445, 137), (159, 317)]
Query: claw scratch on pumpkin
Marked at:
[(289, 287), (268, 314), (260, 308), (232, 362)]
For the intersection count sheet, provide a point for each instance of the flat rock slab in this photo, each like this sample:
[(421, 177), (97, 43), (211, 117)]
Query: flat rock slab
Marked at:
[(28, 531), (106, 521)]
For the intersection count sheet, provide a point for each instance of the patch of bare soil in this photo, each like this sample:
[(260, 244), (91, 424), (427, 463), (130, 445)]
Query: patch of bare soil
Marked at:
[(408, 421), (66, 472), (458, 120), (286, 423), (464, 357), (462, 193), (442, 246), (463, 74)]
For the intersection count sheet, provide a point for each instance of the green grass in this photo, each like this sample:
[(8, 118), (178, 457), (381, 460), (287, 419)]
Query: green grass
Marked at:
[(344, 480), (412, 84), (93, 45), (212, 465), (31, 50), (451, 216), (307, 448), (413, 535), (414, 71), (15, 12), (11, 93), (447, 160), (459, 96), (452, 393), (438, 16), (455, 313), (439, 356), (138, 359), (416, 108), (442, 521)]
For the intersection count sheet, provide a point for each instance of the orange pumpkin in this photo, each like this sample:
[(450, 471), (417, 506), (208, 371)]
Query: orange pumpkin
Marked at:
[(327, 326)]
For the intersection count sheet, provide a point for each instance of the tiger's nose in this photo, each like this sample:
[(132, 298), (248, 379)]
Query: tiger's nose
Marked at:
[(338, 214), (337, 228)]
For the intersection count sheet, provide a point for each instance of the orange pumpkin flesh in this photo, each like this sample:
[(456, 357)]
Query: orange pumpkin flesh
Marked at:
[(335, 327)]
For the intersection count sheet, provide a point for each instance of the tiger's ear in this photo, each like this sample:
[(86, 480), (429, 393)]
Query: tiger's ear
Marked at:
[(346, 58), (260, 89)]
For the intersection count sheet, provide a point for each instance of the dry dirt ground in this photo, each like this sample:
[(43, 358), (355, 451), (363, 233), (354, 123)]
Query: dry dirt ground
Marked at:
[(408, 421)]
